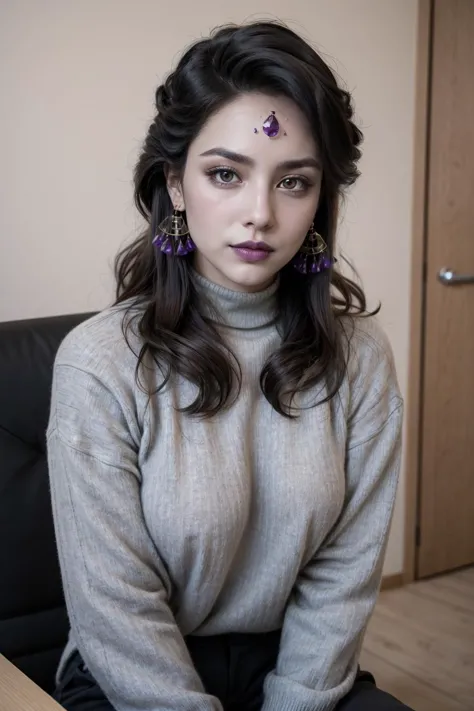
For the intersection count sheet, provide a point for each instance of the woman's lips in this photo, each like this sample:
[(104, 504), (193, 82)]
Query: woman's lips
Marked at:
[(252, 251)]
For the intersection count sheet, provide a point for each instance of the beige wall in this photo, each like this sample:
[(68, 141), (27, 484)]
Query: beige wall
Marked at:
[(77, 83)]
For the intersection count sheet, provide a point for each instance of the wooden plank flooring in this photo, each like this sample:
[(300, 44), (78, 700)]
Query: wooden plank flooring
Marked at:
[(420, 643)]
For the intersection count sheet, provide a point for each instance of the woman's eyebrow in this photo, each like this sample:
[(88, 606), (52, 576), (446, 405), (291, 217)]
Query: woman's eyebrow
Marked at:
[(295, 164)]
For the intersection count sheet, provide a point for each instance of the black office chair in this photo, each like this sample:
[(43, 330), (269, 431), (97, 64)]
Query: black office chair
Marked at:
[(33, 618)]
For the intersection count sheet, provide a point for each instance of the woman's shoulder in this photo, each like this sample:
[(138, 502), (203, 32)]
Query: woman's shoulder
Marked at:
[(109, 339), (365, 334), (94, 384), (369, 354)]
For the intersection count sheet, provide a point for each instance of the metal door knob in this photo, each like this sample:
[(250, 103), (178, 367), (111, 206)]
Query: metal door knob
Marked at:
[(448, 277)]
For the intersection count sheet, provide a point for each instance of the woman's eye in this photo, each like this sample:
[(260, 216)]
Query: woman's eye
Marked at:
[(223, 176), (294, 184)]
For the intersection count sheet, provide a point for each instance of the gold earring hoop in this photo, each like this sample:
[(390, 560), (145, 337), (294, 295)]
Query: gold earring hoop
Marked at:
[(173, 236), (312, 257), (314, 243)]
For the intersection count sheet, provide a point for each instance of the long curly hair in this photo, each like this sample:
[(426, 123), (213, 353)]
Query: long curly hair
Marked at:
[(270, 58)]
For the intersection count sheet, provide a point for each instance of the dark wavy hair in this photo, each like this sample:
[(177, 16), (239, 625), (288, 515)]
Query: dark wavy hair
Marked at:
[(270, 58)]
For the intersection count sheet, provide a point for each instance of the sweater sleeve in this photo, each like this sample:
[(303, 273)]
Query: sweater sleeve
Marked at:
[(116, 586), (335, 593)]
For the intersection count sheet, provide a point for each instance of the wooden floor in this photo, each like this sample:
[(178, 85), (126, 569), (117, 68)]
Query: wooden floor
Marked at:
[(420, 643)]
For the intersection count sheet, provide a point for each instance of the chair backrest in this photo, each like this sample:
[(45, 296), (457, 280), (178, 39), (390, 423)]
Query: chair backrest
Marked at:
[(33, 619)]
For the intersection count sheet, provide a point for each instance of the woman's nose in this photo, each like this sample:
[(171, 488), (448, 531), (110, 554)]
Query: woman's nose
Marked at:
[(260, 209)]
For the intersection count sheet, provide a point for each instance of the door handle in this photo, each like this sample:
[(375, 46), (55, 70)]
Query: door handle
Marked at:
[(448, 277)]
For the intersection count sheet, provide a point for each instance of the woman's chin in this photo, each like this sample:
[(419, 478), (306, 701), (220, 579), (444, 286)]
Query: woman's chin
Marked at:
[(250, 277), (240, 276)]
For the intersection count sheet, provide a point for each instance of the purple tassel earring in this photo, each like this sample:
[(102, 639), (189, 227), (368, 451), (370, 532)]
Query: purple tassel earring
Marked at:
[(173, 236), (312, 257)]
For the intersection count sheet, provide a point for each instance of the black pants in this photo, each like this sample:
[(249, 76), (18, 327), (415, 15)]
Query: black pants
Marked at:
[(232, 668)]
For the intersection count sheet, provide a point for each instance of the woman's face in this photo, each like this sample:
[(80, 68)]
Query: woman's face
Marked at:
[(241, 186)]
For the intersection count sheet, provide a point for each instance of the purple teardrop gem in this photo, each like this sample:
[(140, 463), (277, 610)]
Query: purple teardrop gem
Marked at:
[(167, 247), (190, 246), (300, 263), (159, 239), (271, 127), (181, 250)]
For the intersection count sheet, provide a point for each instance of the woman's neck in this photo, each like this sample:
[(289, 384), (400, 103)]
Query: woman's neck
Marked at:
[(238, 309)]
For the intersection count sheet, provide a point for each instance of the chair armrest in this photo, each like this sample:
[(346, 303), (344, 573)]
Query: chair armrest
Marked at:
[(17, 691)]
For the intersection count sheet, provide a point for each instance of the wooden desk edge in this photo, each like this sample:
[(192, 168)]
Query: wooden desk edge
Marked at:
[(19, 693)]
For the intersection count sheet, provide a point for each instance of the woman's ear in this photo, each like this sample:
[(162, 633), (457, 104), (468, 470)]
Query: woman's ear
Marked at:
[(175, 189)]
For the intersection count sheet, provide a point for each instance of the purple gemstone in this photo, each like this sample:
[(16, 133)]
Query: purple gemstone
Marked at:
[(302, 264), (326, 263), (159, 239), (167, 247), (181, 250), (271, 127), (190, 246)]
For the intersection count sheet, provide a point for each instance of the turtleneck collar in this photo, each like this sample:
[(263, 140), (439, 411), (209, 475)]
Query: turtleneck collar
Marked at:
[(239, 309)]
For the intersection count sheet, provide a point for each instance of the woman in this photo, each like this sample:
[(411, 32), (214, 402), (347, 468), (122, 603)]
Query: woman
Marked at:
[(224, 441)]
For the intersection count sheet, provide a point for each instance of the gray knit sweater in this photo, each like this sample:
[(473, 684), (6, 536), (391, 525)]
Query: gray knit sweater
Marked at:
[(169, 525)]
